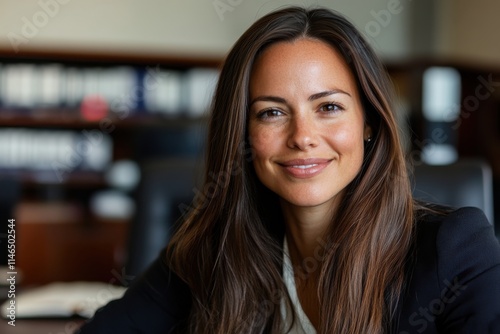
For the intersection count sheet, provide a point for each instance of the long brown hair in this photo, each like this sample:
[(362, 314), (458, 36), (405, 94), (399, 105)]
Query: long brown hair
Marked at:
[(228, 249)]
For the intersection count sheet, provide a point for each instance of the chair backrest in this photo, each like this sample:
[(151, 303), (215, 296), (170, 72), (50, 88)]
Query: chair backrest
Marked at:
[(464, 183), (166, 189)]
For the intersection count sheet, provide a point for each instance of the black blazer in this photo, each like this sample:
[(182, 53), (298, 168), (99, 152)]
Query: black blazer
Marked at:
[(453, 286)]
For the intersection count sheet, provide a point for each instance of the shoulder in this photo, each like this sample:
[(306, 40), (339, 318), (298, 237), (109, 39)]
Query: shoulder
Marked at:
[(458, 241), (157, 302), (453, 280)]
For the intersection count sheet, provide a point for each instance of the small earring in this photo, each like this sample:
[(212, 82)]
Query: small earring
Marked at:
[(369, 139)]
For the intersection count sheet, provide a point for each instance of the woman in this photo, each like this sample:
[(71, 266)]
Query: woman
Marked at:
[(311, 226)]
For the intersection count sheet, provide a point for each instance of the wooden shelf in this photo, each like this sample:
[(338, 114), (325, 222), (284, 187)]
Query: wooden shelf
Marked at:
[(66, 118), (112, 57), (78, 179)]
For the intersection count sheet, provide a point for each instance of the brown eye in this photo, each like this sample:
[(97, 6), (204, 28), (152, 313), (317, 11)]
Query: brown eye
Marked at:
[(331, 108), (269, 113)]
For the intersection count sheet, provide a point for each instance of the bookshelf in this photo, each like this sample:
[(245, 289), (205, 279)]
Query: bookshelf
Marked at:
[(67, 119)]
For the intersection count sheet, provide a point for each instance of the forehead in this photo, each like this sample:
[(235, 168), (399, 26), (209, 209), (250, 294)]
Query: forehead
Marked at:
[(307, 62)]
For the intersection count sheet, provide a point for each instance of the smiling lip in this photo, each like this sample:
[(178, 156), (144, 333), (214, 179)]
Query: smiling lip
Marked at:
[(304, 168)]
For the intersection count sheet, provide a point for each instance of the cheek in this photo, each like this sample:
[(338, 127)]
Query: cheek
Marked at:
[(346, 140), (348, 143), (262, 142)]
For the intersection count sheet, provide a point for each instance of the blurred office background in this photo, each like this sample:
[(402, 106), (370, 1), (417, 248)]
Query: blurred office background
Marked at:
[(101, 100)]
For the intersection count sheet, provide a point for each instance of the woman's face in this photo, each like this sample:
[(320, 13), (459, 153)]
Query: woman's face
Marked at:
[(306, 123)]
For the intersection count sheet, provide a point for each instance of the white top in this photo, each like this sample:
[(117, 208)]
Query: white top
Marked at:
[(302, 323)]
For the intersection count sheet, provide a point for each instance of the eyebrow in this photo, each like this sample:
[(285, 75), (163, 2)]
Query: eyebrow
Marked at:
[(313, 97)]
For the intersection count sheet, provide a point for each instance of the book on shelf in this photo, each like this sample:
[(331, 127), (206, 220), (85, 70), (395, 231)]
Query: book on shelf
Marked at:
[(65, 150), (36, 87)]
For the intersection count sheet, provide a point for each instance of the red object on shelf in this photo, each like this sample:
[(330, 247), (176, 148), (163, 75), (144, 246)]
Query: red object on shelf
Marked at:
[(93, 108)]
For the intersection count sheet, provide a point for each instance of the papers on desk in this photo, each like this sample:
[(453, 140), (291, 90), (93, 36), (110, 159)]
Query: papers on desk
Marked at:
[(63, 299)]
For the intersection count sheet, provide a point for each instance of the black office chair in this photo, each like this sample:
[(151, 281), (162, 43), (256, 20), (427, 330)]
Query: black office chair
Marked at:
[(464, 183), (166, 190)]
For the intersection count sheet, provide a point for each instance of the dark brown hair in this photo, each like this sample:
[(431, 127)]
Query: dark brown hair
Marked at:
[(228, 249)]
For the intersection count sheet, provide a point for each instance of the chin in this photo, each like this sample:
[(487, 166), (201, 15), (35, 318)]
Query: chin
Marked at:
[(308, 202)]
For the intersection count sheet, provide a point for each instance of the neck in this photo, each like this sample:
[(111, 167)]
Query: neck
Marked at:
[(305, 231)]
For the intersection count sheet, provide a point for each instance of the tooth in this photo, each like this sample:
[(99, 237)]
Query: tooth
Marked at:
[(305, 166)]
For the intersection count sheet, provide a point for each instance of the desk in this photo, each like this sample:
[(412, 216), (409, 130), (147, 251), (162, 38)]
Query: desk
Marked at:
[(41, 326)]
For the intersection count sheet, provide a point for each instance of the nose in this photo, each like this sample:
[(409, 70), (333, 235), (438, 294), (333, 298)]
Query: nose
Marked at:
[(303, 133)]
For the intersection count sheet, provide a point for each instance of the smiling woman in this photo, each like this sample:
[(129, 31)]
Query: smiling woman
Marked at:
[(317, 232)]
